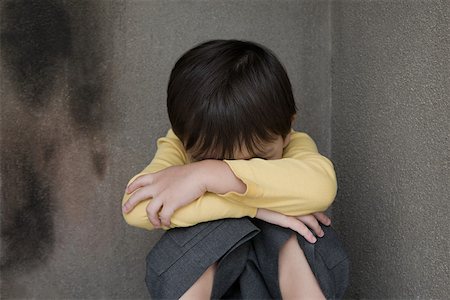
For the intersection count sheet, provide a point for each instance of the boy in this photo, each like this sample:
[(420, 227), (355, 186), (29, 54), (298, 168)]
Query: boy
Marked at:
[(231, 153)]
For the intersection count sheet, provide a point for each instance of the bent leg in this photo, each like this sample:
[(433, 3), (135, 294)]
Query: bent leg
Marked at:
[(183, 254), (327, 258), (296, 278), (202, 288)]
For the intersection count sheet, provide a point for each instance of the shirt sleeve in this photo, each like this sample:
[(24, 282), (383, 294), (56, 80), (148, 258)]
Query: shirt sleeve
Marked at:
[(302, 182), (170, 152)]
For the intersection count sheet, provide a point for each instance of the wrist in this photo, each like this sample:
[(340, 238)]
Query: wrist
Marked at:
[(198, 171), (208, 171), (217, 177)]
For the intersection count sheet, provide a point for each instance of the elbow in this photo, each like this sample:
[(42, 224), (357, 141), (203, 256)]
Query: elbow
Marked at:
[(128, 217), (329, 191), (329, 184), (137, 217), (137, 220), (329, 195), (325, 190)]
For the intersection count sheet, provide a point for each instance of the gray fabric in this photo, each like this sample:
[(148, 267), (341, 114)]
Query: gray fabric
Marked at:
[(247, 253), (183, 254)]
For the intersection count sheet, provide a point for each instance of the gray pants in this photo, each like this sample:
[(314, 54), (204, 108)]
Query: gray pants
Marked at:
[(247, 253)]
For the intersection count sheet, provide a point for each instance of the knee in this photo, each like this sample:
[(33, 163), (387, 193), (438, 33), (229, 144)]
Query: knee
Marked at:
[(202, 288)]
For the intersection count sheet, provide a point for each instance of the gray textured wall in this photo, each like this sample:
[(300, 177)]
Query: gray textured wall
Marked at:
[(390, 128), (83, 87)]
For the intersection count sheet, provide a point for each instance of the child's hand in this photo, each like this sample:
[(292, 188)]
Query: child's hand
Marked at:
[(170, 189), (296, 223)]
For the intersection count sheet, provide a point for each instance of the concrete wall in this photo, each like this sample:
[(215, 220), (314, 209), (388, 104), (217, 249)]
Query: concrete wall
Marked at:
[(390, 129), (83, 87)]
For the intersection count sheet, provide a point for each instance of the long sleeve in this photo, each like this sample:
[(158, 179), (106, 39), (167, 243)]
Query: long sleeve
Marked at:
[(302, 182), (170, 152)]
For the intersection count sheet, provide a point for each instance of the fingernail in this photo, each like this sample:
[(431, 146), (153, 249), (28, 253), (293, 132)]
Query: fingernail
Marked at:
[(314, 240), (321, 234), (124, 208)]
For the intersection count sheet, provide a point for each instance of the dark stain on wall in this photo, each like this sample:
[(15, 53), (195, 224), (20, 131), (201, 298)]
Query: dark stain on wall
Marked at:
[(87, 70), (27, 230), (99, 160), (85, 107), (88, 77), (46, 46), (35, 34), (49, 152)]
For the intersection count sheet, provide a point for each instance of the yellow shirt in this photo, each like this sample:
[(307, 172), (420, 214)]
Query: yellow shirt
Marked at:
[(302, 182)]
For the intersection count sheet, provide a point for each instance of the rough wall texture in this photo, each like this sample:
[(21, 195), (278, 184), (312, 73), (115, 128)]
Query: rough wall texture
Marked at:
[(390, 129), (83, 86)]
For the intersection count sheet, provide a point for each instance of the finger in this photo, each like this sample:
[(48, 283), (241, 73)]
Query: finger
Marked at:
[(140, 181), (323, 218), (165, 215), (140, 195), (286, 221), (152, 212), (273, 217), (304, 231), (312, 223)]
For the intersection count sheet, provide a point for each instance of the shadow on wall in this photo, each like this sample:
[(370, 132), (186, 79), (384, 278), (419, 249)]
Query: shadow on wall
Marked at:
[(53, 95)]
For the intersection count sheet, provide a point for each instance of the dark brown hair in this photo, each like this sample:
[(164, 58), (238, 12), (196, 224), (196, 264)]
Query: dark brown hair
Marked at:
[(226, 94)]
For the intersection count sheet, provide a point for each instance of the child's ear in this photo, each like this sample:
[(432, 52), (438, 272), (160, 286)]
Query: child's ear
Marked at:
[(294, 116)]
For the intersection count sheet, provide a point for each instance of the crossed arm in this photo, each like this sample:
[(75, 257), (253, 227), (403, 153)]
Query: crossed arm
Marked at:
[(301, 183)]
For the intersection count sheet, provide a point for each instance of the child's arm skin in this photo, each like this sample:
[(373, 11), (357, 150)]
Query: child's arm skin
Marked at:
[(176, 186), (301, 154), (302, 182), (170, 152)]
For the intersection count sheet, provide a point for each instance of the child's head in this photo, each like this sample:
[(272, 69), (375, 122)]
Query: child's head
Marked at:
[(230, 96)]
